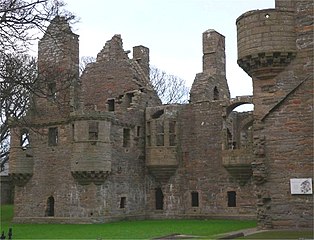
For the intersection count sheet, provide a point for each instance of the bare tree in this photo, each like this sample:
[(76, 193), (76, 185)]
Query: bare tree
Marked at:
[(22, 22), (170, 88), (18, 74), (84, 61)]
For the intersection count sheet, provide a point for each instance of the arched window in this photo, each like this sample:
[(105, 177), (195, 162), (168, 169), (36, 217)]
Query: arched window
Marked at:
[(216, 93), (50, 210)]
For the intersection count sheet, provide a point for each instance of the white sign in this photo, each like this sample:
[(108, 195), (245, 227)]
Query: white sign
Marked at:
[(301, 186)]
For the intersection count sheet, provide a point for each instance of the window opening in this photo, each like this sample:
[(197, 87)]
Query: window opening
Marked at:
[(73, 132), (159, 197), (138, 131), (24, 140), (52, 90), (160, 133), (111, 105), (50, 211), (157, 114), (53, 136), (216, 94), (172, 133), (231, 144), (195, 201), (232, 199), (126, 137), (128, 99), (148, 134), (122, 202), (93, 131)]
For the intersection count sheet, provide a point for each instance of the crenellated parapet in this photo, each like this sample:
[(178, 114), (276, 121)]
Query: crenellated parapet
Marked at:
[(266, 41)]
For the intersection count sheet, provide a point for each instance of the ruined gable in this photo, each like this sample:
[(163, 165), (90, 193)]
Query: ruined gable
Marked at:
[(115, 79)]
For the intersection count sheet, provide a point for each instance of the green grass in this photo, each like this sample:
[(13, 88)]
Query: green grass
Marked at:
[(147, 229)]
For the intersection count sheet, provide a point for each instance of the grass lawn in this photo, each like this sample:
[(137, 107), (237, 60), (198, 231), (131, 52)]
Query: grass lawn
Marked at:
[(119, 230)]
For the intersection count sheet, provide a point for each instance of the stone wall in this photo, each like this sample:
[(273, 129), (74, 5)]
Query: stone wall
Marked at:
[(7, 190), (283, 117)]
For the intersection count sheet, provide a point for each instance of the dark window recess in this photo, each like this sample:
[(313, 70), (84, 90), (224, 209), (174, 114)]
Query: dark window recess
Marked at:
[(52, 90), (93, 131), (53, 136), (229, 138), (50, 210), (216, 94), (232, 199), (122, 202), (111, 105), (172, 133), (128, 99), (138, 131), (159, 133), (24, 140), (73, 132), (159, 197), (157, 114), (194, 196), (148, 134), (126, 137), (148, 141)]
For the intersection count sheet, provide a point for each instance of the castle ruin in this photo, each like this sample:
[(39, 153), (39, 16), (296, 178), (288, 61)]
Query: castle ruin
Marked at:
[(102, 147)]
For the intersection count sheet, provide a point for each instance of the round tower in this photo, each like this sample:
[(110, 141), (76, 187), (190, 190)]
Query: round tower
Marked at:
[(266, 41)]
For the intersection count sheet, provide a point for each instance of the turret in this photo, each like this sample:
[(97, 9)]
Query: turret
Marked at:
[(266, 40)]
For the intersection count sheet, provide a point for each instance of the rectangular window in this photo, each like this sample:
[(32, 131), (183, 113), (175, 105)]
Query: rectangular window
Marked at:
[(122, 202), (172, 133), (232, 199), (138, 131), (111, 105), (24, 140), (52, 90), (93, 131), (194, 196), (53, 136), (73, 132), (126, 137), (128, 99), (148, 136), (159, 133)]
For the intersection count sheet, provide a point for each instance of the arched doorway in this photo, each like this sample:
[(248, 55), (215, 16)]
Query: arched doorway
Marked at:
[(50, 210), (159, 197)]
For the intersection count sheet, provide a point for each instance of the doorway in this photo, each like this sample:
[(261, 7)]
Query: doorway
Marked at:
[(159, 199), (50, 211)]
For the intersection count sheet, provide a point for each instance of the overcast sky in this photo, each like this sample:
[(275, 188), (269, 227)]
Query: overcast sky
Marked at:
[(171, 29)]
